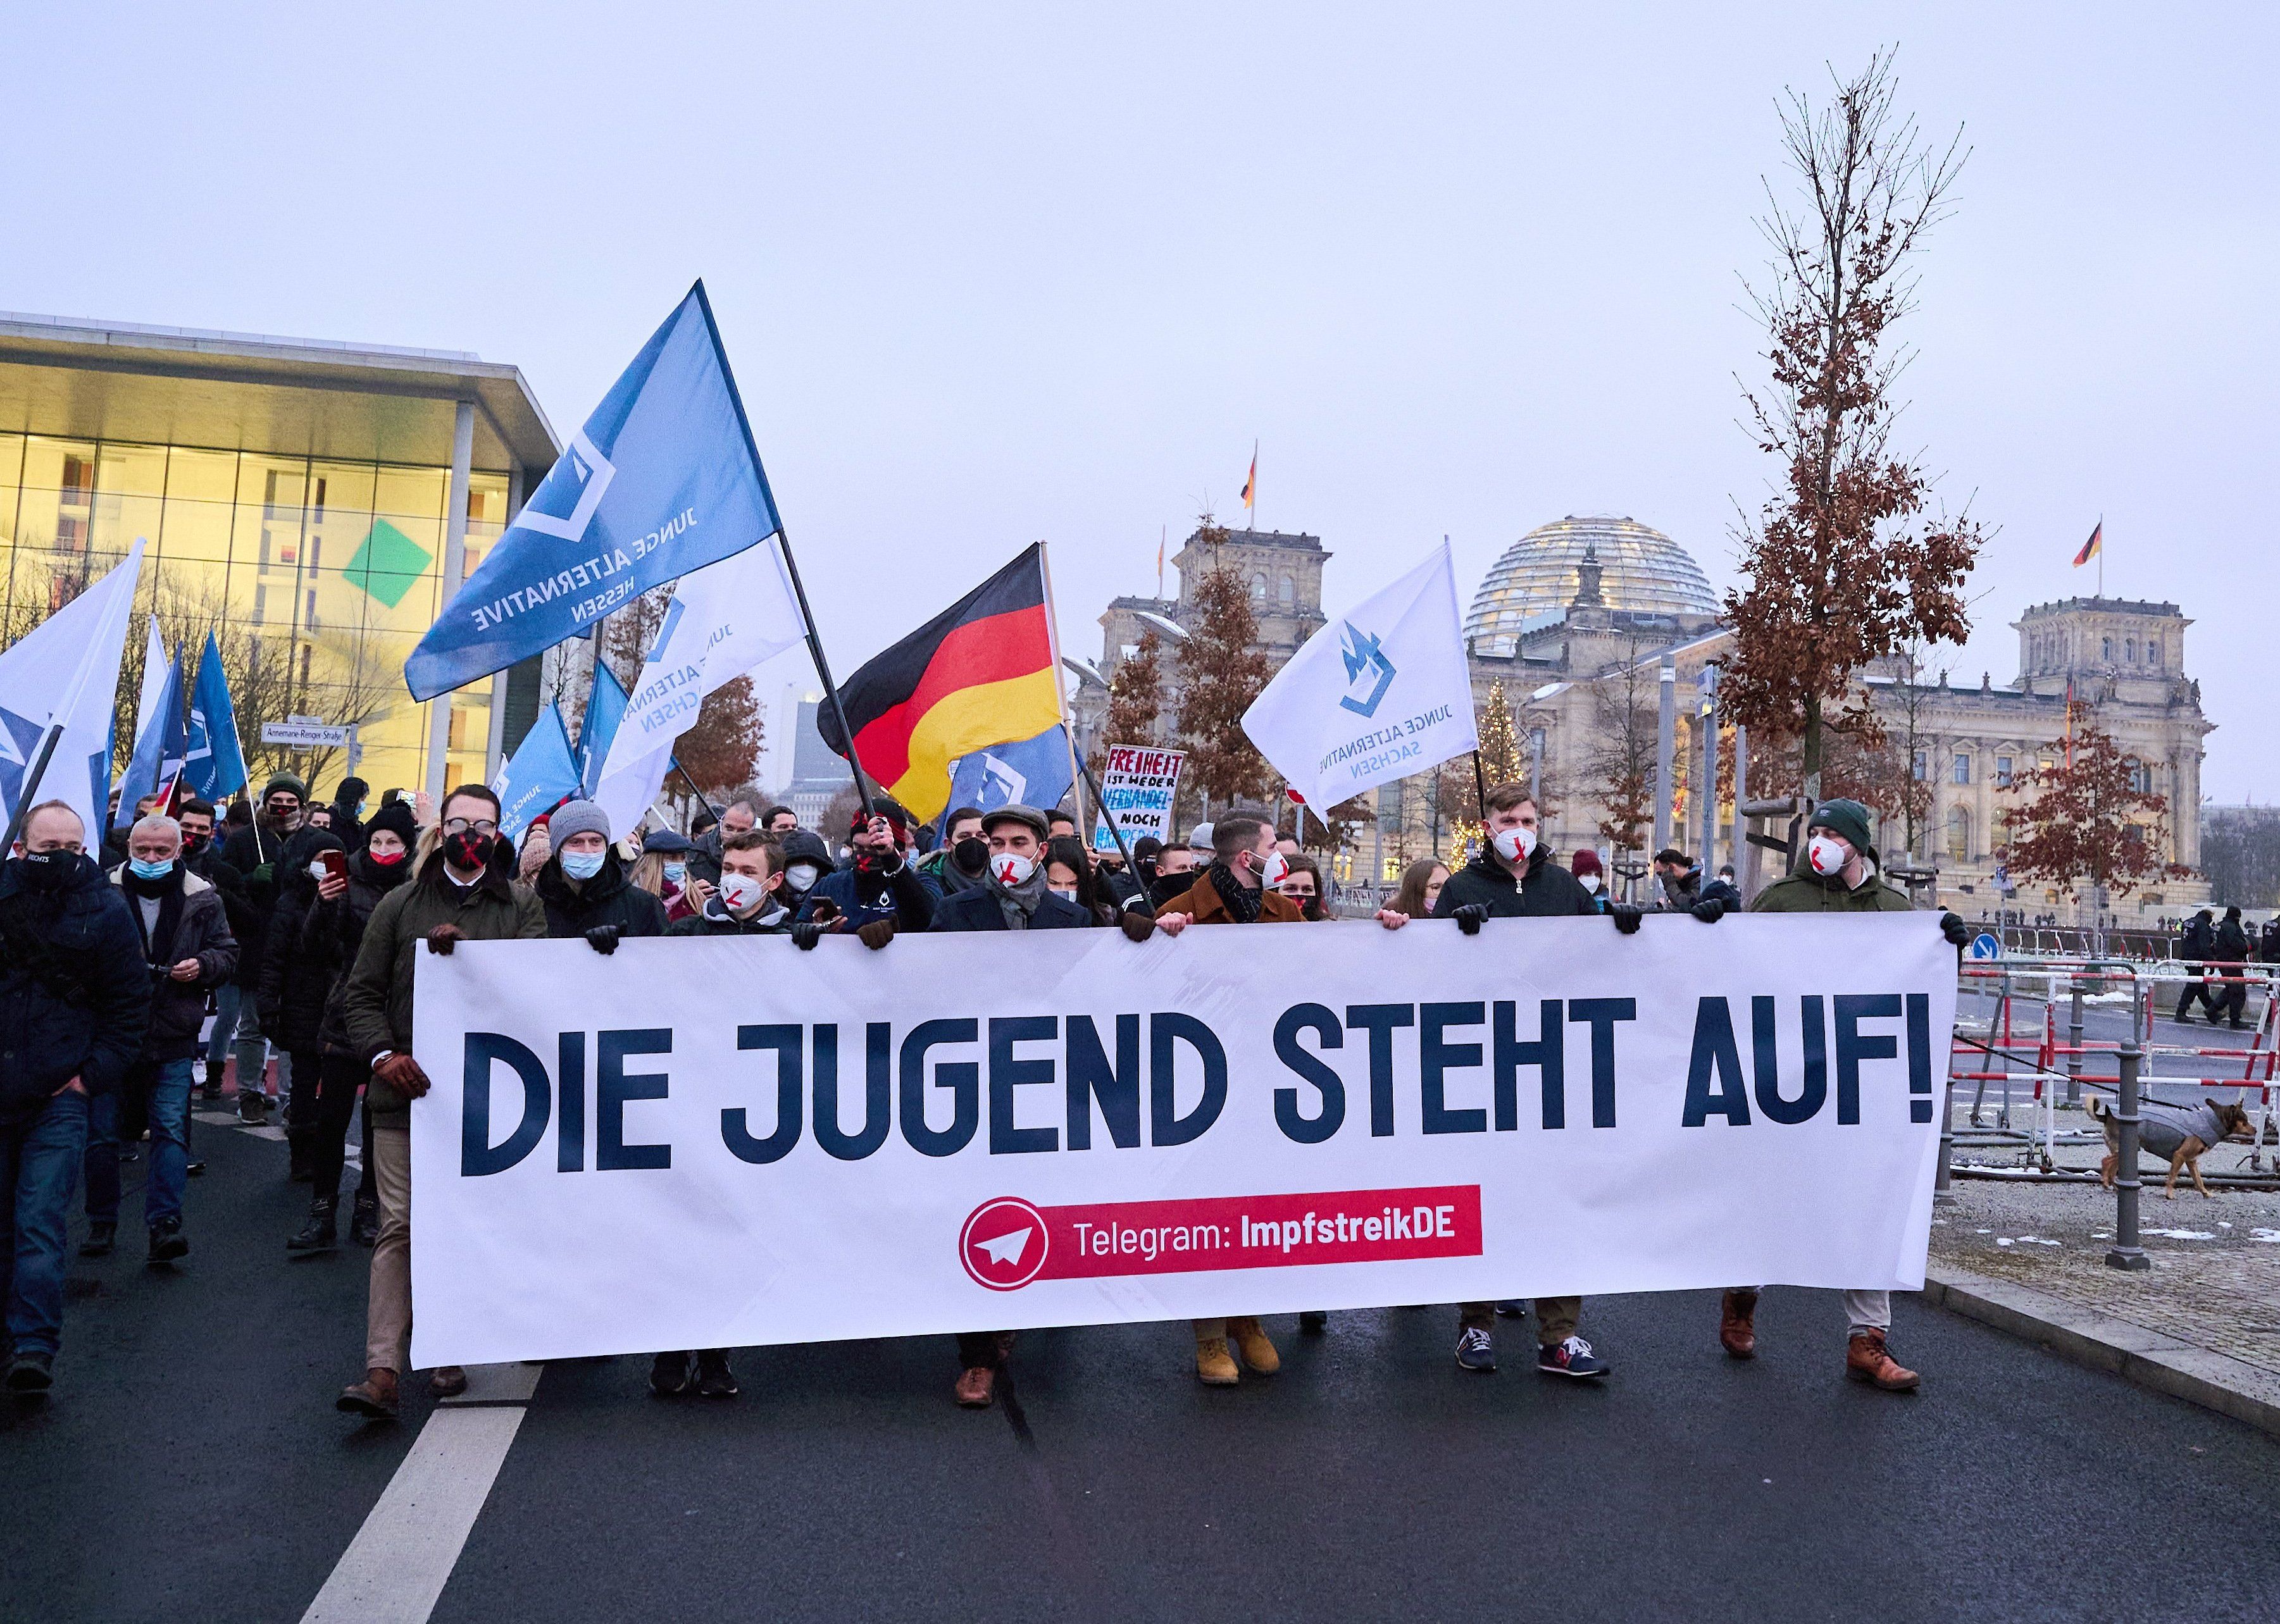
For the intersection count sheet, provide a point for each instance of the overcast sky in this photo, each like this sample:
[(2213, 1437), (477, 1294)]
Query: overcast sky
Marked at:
[(992, 273)]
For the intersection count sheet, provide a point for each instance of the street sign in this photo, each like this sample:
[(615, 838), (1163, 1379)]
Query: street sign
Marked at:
[(305, 735), (1986, 944)]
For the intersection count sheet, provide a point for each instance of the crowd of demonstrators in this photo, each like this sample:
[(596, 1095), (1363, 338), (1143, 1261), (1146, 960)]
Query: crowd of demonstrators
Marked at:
[(75, 1006), (106, 980), (184, 942), (463, 892)]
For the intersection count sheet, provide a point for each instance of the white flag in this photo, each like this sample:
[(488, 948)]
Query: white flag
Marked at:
[(1380, 692), (724, 620), (66, 671)]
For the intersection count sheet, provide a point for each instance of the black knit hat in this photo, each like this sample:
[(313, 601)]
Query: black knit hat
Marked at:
[(1848, 818), (397, 818)]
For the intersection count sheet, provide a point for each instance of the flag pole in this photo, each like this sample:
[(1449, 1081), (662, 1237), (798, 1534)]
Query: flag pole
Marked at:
[(784, 541), (1079, 781), (31, 788)]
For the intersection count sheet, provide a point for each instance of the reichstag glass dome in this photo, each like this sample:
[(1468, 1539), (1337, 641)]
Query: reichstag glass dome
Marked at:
[(1640, 569)]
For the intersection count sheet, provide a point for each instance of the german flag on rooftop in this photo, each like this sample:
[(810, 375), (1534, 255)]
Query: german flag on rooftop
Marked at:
[(979, 673)]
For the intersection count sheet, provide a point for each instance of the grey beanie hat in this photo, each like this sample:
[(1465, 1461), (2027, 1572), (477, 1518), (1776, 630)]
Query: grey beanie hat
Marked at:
[(577, 818)]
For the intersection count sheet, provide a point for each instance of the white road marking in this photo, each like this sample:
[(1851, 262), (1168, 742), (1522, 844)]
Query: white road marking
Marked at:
[(396, 1568)]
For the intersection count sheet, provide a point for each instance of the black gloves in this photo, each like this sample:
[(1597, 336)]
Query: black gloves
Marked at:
[(1468, 917), (876, 934), (603, 939), (805, 936), (1626, 916), (1955, 930), (1709, 913)]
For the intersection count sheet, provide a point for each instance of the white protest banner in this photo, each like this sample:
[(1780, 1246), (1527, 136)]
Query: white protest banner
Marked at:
[(719, 1141), (1136, 787)]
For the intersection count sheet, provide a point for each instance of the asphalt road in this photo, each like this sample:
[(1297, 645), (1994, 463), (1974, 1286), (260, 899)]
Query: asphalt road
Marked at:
[(190, 1465)]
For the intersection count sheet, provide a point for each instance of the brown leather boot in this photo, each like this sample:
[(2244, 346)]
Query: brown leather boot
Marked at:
[(374, 1397), (977, 1387), (1215, 1365), (1258, 1353), (1737, 1331), (1868, 1359)]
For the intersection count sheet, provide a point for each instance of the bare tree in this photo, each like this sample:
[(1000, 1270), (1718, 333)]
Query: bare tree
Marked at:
[(1222, 670), (1135, 699), (1842, 569), (1620, 765)]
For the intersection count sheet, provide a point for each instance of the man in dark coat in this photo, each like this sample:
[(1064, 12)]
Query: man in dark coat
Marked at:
[(182, 934), (2230, 960), (2197, 945), (584, 884), (348, 812), (1013, 896), (1514, 877), (74, 1003), (256, 850), (880, 886), (201, 856), (291, 989), (749, 901), (331, 932)]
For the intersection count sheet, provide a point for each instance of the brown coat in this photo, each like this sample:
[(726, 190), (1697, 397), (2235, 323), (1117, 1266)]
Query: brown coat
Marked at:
[(1203, 902)]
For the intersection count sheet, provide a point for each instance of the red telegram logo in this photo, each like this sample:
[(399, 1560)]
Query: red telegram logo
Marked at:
[(1004, 1243)]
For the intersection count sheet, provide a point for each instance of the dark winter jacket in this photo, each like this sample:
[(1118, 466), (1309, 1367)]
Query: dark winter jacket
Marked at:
[(331, 932), (608, 898), (2231, 944), (376, 994), (904, 897), (1547, 890), (980, 910), (295, 983), (223, 874), (256, 852), (75, 989), (715, 920), (2196, 943), (191, 924)]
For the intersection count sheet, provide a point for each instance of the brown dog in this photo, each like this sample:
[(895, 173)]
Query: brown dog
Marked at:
[(2179, 1132)]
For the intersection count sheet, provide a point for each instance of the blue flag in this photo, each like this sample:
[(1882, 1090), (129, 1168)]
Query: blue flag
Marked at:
[(1035, 772), (606, 708), (161, 742), (215, 767), (663, 479), (539, 776)]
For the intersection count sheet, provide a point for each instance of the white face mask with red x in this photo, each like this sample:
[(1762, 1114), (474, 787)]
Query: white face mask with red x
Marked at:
[(1828, 855)]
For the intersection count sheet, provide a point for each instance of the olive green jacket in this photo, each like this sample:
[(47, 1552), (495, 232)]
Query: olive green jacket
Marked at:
[(376, 997), (1804, 892)]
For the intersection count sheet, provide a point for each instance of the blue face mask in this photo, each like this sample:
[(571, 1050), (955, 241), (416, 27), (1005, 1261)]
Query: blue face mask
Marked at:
[(678, 873), (152, 871), (582, 864)]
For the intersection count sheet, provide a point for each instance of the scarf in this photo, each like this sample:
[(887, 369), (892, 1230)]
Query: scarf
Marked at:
[(1019, 901), (158, 941), (1243, 901)]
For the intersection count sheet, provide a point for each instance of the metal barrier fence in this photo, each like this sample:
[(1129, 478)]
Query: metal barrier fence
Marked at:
[(1994, 1045)]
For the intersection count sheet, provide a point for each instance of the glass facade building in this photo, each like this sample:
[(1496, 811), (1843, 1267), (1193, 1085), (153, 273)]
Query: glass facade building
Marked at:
[(295, 498)]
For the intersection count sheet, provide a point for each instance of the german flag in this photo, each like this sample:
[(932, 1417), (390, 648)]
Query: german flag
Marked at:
[(979, 673), (2089, 548)]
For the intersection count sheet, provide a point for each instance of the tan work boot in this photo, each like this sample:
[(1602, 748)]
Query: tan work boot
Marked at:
[(1215, 1365), (374, 1396), (1868, 1359), (977, 1386), (1737, 1331), (1258, 1353)]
